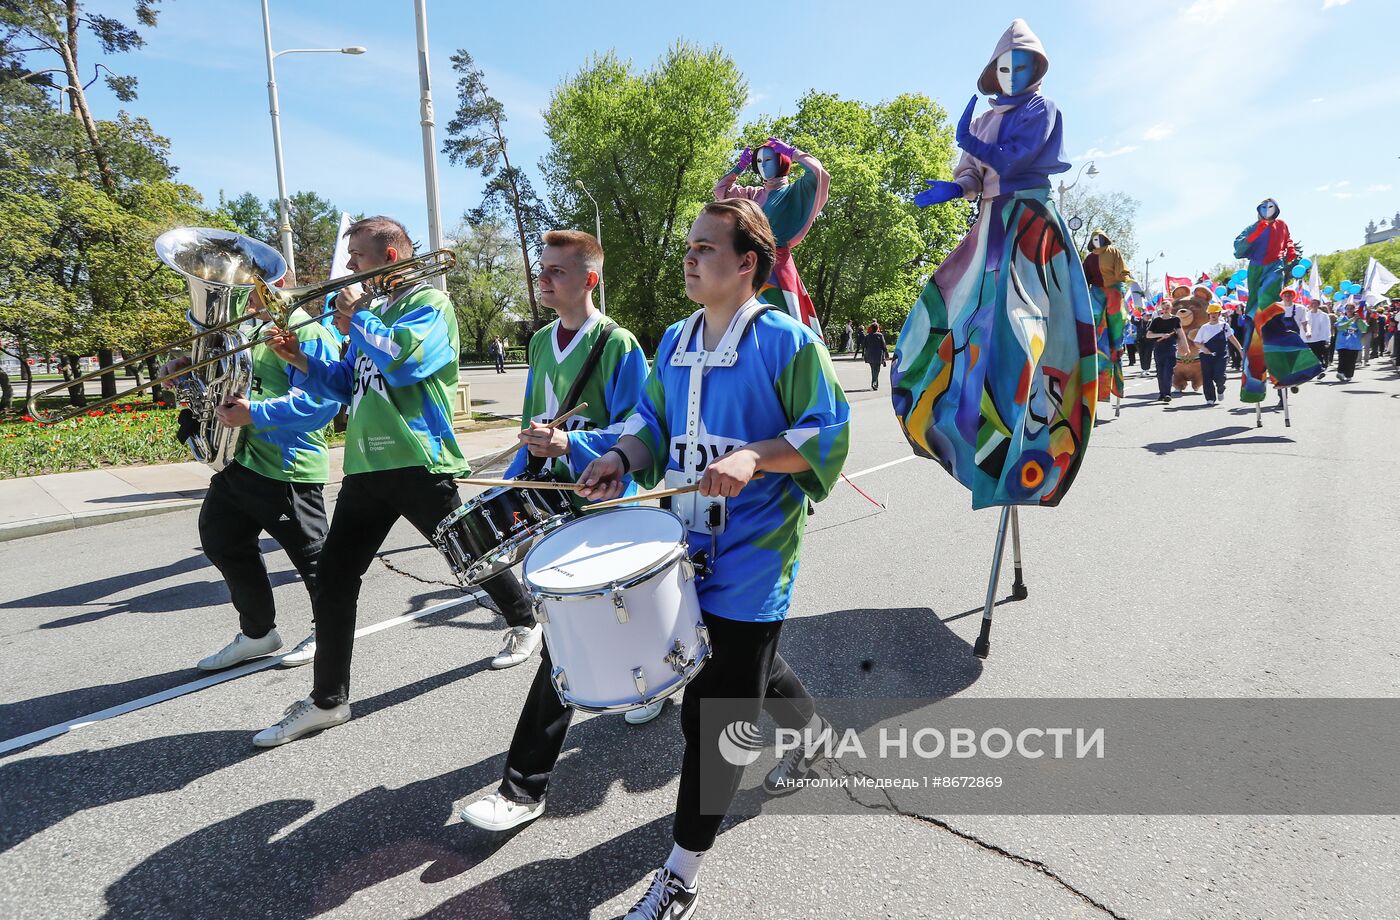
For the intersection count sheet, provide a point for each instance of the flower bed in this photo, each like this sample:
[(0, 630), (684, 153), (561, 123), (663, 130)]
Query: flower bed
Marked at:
[(116, 436)]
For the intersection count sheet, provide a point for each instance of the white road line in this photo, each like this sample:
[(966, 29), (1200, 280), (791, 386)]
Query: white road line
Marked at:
[(251, 667), (262, 664), (882, 466)]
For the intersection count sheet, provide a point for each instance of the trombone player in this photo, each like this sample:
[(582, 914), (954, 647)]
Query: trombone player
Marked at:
[(274, 483), (399, 378)]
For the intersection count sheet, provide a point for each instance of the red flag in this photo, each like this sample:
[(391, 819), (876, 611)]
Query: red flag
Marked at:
[(1173, 282), (1204, 279)]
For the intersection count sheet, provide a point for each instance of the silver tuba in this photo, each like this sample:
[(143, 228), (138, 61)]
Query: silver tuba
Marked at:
[(221, 268)]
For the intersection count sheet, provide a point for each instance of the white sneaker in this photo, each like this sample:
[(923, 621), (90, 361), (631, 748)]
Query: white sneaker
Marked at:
[(521, 643), (304, 653), (240, 650), (301, 718), (497, 813), (646, 713)]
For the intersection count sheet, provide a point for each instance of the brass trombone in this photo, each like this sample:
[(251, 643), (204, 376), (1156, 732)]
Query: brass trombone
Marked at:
[(280, 303)]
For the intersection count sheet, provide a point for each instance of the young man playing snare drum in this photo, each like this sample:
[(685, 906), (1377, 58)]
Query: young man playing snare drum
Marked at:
[(767, 401)]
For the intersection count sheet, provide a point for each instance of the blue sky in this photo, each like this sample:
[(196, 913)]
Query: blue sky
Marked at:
[(1198, 108)]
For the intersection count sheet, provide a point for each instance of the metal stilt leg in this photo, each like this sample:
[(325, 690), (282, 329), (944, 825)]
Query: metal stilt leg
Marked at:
[(1258, 415), (1287, 421), (984, 639), (1018, 587)]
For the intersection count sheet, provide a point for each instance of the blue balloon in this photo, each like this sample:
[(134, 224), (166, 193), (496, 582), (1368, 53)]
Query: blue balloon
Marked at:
[(1328, 289), (1221, 290), (1339, 296), (1299, 271), (1306, 263), (1356, 289)]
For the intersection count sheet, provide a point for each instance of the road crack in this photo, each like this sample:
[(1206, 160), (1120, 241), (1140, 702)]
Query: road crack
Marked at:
[(418, 578), (1035, 865)]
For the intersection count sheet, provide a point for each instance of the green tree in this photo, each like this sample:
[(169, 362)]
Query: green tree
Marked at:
[(487, 285), (109, 183), (649, 146), (1350, 264), (872, 248), (1115, 213), (477, 140), (248, 215)]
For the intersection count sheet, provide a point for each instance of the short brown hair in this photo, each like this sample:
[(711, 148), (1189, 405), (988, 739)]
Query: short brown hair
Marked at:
[(585, 246), (385, 231), (752, 233)]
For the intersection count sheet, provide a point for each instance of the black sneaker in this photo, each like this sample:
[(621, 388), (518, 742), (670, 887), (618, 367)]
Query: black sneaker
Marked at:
[(667, 898), (796, 764)]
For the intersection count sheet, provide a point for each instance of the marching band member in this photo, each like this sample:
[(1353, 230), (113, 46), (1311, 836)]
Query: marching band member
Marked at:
[(399, 378), (275, 483), (736, 389), (570, 268)]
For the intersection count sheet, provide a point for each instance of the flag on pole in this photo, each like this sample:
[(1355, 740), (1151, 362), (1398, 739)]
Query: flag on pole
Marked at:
[(1378, 282), (1314, 282), (1173, 282)]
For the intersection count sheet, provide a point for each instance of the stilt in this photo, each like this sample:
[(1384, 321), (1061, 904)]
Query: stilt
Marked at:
[(1287, 421), (984, 639), (1259, 415), (1018, 587)]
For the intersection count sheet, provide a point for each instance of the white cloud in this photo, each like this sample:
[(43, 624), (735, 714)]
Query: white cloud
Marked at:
[(1322, 188), (1378, 188), (1328, 4), (1097, 153), (1158, 132), (1205, 12), (1318, 99), (1344, 183), (1344, 195)]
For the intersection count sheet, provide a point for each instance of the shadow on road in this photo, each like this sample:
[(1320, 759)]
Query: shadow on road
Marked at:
[(1220, 437), (383, 833)]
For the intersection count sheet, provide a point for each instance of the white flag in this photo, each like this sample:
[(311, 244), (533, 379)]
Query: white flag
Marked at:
[(339, 269), (1378, 281), (1315, 283)]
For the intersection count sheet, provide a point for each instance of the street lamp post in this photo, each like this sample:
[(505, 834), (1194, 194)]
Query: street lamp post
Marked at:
[(598, 226), (284, 207), (427, 122), (1147, 271), (1093, 171)]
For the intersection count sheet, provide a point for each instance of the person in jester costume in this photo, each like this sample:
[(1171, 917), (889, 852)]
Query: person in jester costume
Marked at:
[(1108, 277), (1272, 346), (995, 373), (791, 208)]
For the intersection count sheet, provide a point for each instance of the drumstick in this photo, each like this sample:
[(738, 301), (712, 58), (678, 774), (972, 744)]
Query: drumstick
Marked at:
[(645, 496), (492, 461), (520, 484)]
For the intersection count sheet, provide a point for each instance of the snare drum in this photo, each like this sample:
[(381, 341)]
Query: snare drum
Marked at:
[(615, 592), (493, 531)]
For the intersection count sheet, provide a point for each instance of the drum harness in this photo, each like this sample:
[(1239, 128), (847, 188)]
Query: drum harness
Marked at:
[(535, 466), (726, 354)]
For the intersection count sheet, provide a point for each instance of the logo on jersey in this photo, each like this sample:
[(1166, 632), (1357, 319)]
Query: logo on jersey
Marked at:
[(710, 448), (367, 379)]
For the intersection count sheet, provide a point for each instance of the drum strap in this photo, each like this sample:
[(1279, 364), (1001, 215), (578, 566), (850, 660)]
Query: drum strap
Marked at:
[(571, 398), (704, 516)]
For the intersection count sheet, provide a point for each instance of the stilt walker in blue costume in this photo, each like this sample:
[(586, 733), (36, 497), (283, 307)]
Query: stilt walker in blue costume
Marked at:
[(995, 373)]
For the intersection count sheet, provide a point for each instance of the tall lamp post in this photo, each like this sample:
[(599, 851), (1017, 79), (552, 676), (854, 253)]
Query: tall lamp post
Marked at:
[(598, 226), (284, 207), (1147, 270), (1093, 171)]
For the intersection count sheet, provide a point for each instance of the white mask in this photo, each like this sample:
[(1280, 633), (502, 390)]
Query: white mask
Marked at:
[(1268, 209), (1015, 69)]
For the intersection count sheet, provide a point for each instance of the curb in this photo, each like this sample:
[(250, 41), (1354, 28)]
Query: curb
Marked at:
[(60, 522), (18, 530)]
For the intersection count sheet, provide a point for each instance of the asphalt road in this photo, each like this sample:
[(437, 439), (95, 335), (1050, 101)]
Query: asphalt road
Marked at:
[(1196, 556)]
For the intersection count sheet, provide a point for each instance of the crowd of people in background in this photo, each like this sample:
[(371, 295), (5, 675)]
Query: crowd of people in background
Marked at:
[(1347, 332), (1153, 339)]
